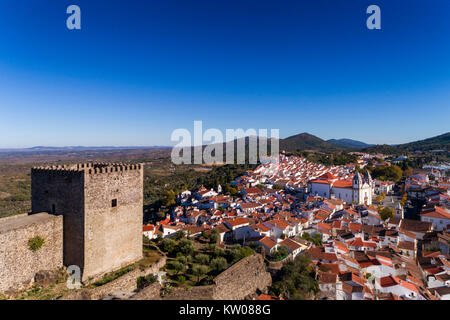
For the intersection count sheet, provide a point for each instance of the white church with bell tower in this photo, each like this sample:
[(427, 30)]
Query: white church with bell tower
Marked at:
[(362, 188), (357, 190)]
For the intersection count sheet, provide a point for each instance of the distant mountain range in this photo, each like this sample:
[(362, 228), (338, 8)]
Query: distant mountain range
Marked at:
[(78, 148), (349, 143), (306, 141), (441, 142), (299, 142)]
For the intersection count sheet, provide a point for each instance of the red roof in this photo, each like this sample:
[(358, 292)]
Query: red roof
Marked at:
[(332, 267), (438, 212), (321, 181), (355, 227), (268, 242), (389, 281), (148, 227), (237, 222), (342, 184), (328, 176), (253, 191)]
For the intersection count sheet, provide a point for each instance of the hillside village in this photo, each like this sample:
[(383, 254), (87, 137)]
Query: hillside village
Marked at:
[(332, 214)]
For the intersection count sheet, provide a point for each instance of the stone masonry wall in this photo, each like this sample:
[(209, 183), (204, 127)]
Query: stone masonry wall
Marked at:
[(242, 279), (19, 264), (194, 293)]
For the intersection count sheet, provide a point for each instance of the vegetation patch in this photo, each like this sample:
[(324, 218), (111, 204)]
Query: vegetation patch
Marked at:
[(34, 244), (196, 263), (144, 281), (113, 275), (297, 280)]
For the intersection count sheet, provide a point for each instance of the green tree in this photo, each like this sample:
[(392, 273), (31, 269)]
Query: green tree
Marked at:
[(297, 279), (168, 245), (218, 264), (214, 236), (182, 259), (386, 213), (199, 271), (176, 266), (280, 253), (186, 246), (169, 198), (180, 235), (202, 258), (181, 279)]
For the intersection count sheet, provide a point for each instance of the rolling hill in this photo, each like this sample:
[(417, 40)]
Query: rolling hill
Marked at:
[(441, 142), (306, 141)]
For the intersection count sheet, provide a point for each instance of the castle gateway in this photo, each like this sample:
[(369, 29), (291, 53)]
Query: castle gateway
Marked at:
[(102, 209)]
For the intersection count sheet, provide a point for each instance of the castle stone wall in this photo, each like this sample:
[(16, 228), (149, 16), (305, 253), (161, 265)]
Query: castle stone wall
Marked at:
[(19, 264), (242, 279)]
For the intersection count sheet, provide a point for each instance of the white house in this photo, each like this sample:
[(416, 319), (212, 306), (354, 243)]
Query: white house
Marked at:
[(439, 217)]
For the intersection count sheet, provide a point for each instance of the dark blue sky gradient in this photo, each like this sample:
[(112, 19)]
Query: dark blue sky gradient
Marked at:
[(137, 70)]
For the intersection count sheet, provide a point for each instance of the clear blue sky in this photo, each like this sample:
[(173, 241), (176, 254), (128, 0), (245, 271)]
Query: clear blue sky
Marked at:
[(137, 70)]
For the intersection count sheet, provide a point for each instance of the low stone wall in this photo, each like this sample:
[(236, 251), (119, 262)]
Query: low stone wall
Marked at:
[(18, 263), (194, 293), (151, 292), (125, 283)]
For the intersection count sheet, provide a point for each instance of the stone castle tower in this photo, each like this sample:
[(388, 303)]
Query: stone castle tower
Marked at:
[(101, 205)]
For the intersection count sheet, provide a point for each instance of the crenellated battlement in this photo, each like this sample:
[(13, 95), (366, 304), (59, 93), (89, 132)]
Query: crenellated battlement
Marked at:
[(89, 168)]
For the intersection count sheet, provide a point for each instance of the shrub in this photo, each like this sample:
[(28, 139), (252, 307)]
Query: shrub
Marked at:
[(34, 244), (168, 245), (180, 235), (181, 279), (202, 258), (181, 259), (386, 213), (185, 246), (218, 264), (143, 282), (199, 271), (176, 266), (237, 253), (114, 275), (279, 254), (214, 236)]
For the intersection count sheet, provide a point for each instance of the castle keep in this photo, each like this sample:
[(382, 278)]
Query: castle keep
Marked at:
[(101, 205), (89, 215)]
